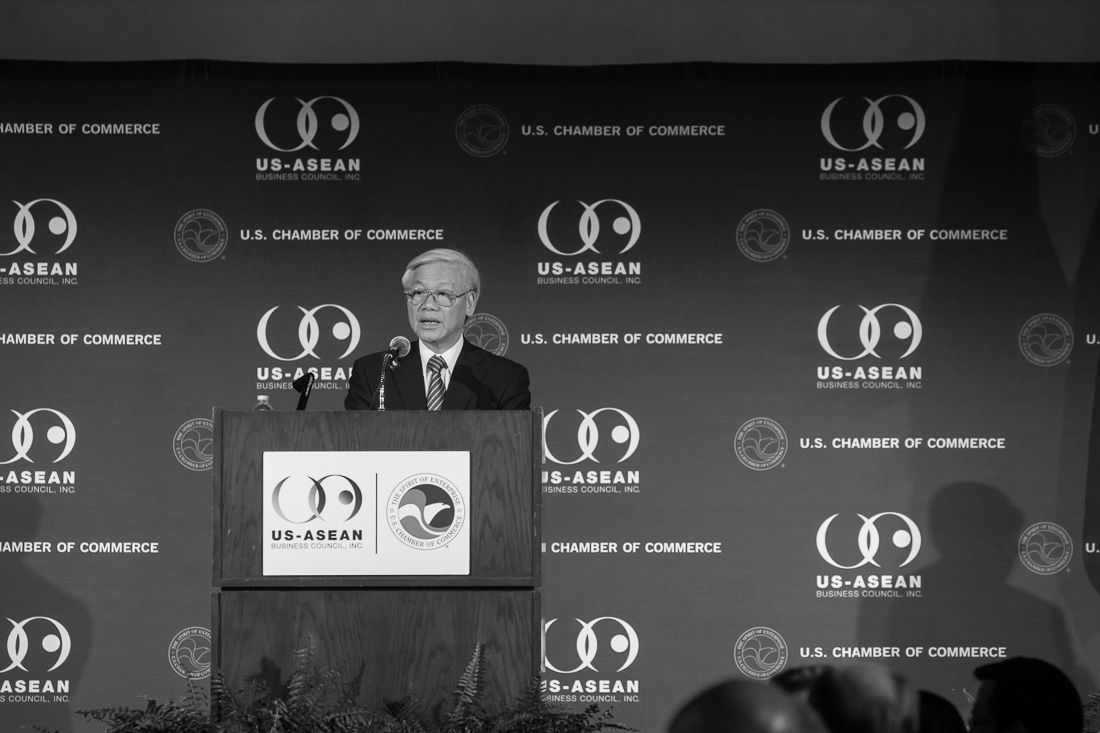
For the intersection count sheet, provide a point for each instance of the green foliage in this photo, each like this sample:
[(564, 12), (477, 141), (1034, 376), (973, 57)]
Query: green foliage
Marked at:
[(318, 699), (1092, 713)]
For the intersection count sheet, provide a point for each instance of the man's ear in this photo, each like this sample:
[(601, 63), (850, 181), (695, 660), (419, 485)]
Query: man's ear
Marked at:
[(471, 302)]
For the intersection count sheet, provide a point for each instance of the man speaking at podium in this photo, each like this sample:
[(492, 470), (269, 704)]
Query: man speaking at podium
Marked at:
[(443, 371)]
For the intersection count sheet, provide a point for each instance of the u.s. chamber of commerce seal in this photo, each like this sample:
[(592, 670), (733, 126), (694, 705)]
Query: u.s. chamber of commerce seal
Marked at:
[(482, 131), (193, 444), (763, 235), (760, 443), (1045, 548), (1049, 130), (189, 653), (488, 332), (201, 235), (1046, 340), (426, 511), (760, 653)]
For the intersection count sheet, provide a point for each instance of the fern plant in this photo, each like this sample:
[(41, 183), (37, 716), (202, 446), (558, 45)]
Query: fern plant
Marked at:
[(318, 699)]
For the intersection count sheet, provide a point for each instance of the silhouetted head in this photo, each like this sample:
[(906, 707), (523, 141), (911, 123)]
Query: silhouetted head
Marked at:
[(938, 715), (1025, 695), (798, 681), (741, 706), (864, 699)]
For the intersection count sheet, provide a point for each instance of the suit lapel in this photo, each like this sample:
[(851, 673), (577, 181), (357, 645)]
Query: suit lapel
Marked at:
[(461, 393), (409, 381)]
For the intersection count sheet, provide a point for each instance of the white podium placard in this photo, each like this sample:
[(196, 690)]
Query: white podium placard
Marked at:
[(366, 513)]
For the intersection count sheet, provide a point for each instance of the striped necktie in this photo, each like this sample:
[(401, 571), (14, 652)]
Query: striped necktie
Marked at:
[(435, 382)]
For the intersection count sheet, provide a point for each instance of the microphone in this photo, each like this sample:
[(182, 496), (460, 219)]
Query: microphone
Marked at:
[(399, 349), (304, 385)]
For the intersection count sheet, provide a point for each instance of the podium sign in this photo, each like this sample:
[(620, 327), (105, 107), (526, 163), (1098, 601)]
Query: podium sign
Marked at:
[(366, 513)]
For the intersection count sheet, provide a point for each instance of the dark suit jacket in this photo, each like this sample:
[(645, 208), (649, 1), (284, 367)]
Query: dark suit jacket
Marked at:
[(480, 381)]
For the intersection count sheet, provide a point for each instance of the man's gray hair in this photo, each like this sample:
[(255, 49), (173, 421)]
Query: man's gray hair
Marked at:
[(468, 274)]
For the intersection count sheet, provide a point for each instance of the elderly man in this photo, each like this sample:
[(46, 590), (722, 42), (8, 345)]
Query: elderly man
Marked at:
[(443, 371)]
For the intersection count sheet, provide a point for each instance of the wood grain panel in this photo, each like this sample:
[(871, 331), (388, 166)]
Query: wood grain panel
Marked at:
[(503, 481), (386, 640)]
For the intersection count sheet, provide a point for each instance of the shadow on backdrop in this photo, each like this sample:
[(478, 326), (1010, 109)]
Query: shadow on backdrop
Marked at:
[(976, 529)]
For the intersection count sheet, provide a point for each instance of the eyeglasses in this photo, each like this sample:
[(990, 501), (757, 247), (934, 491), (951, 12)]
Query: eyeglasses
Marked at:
[(444, 298)]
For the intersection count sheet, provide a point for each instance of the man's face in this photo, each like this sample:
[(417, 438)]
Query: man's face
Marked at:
[(437, 326)]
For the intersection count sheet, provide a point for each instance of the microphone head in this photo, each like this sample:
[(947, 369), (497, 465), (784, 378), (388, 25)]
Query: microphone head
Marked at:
[(402, 345)]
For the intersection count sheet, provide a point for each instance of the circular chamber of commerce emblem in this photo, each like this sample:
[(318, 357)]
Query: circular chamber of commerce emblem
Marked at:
[(1049, 130), (760, 443), (1046, 340), (1045, 548), (200, 235), (482, 131), (488, 332), (760, 653), (189, 653), (193, 444), (426, 511), (763, 235)]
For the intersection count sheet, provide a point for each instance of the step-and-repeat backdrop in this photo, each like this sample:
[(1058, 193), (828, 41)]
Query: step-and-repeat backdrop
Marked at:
[(817, 350)]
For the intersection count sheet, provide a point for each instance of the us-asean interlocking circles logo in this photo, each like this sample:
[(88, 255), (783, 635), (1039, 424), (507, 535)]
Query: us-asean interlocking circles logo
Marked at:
[(623, 642), (869, 540), (50, 636), (334, 498), (907, 328), (344, 121), (59, 432), (624, 433), (627, 226), (62, 227), (345, 329), (885, 117)]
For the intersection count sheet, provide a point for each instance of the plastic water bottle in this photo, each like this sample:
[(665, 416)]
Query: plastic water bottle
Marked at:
[(263, 402)]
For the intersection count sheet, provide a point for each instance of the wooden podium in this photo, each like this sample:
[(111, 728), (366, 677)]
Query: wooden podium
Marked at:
[(390, 633)]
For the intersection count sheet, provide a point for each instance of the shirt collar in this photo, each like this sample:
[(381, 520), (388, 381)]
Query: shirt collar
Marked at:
[(450, 356)]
